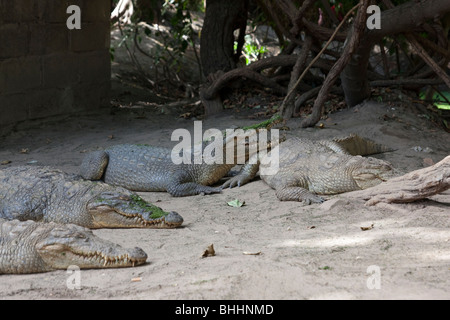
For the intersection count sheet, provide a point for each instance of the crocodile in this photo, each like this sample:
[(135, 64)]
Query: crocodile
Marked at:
[(151, 168), (309, 168), (46, 194), (34, 247)]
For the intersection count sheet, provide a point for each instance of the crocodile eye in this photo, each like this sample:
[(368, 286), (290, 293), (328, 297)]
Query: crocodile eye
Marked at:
[(80, 236)]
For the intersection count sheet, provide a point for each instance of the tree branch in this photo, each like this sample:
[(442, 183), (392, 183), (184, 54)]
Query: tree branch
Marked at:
[(358, 29), (413, 186), (122, 12)]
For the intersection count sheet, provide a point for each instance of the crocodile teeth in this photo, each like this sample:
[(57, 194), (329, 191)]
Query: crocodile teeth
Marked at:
[(98, 257)]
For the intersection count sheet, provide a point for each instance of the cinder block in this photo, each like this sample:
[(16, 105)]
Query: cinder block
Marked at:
[(60, 70), (94, 67), (13, 108), (91, 97), (37, 34), (46, 69), (45, 103), (48, 38), (53, 11), (13, 40), (20, 74), (91, 37), (56, 38), (14, 11)]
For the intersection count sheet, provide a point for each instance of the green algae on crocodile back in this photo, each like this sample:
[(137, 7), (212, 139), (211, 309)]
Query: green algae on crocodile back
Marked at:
[(46, 194), (32, 247)]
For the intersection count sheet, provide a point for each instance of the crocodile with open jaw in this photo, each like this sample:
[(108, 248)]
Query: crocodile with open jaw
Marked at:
[(150, 168), (33, 247), (46, 194), (326, 167)]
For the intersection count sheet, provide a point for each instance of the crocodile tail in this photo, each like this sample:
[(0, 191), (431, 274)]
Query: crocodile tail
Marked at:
[(356, 145)]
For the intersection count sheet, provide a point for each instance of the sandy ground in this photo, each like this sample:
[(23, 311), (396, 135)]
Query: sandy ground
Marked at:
[(305, 252)]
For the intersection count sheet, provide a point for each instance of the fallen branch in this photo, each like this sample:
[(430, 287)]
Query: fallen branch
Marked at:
[(413, 186)]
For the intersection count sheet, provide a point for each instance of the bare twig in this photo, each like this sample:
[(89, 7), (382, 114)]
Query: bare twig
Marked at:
[(424, 55), (290, 96), (135, 60), (358, 29)]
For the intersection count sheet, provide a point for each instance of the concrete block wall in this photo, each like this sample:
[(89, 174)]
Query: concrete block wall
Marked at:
[(47, 69)]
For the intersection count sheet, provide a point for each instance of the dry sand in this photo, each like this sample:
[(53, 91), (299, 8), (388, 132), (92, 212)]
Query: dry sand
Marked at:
[(304, 252)]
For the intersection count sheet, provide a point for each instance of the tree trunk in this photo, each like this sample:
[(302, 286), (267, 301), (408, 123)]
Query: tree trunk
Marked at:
[(222, 18), (404, 18), (150, 10)]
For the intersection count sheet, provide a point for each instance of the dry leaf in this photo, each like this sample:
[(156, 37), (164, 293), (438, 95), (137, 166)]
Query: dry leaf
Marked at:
[(252, 253), (5, 162), (209, 251), (311, 227), (367, 228), (137, 279), (24, 150)]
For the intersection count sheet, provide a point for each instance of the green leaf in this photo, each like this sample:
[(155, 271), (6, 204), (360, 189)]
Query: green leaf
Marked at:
[(236, 203)]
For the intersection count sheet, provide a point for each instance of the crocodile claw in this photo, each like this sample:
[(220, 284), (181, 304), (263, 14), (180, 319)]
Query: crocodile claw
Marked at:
[(238, 181), (313, 199)]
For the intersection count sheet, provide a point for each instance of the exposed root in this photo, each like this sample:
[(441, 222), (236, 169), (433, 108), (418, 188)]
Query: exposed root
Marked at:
[(413, 186)]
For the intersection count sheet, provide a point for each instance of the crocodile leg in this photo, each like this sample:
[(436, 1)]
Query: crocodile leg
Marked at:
[(247, 173), (293, 186), (298, 194), (191, 189)]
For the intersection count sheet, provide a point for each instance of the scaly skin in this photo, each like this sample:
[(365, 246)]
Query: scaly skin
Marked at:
[(32, 247), (50, 195), (308, 168), (148, 168)]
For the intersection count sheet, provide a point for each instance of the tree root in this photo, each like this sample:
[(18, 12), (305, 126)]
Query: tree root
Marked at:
[(413, 186), (358, 29)]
